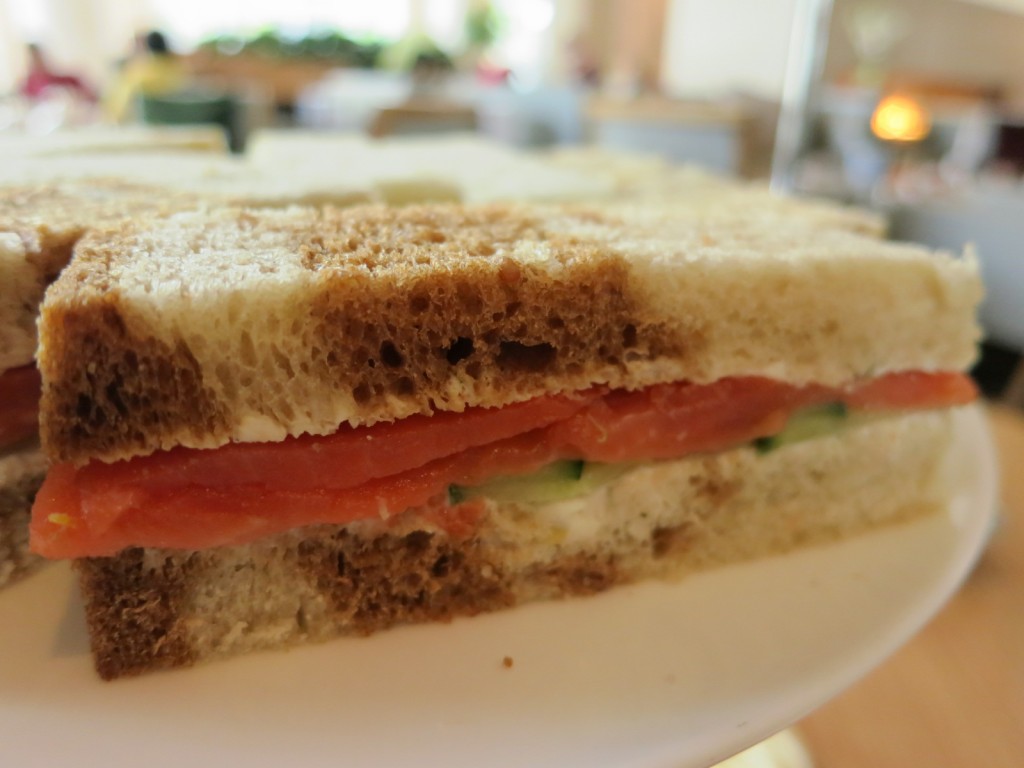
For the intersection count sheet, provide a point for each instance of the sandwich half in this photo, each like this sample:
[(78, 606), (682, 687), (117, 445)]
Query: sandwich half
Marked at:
[(271, 427), (39, 226), (21, 461)]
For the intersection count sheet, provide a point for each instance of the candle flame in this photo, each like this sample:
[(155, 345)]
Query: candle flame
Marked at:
[(900, 118)]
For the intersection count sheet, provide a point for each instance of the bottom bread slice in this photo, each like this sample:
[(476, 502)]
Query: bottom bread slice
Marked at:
[(21, 474), (149, 609)]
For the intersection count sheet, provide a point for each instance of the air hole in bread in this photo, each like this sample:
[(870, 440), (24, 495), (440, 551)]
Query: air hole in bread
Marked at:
[(390, 356), (530, 358), (441, 566), (187, 379), (419, 304), (404, 386), (555, 322), (248, 349), (114, 397), (470, 299), (473, 370), (671, 540), (458, 350), (629, 336), (362, 394), (417, 541), (283, 362), (83, 408)]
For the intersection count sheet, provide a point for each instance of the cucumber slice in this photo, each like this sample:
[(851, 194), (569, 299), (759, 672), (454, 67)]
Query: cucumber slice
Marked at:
[(557, 481), (806, 424)]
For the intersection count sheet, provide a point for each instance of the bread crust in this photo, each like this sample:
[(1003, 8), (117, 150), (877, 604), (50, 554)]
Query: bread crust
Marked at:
[(157, 609), (323, 317)]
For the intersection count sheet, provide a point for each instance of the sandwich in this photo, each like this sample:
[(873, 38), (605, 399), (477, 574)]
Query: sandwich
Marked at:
[(21, 462), (405, 170), (214, 179), (39, 226), (329, 170), (111, 140), (651, 179), (40, 223), (274, 427)]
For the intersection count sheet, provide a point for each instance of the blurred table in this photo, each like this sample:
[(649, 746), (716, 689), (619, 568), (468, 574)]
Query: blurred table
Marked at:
[(281, 78), (954, 696)]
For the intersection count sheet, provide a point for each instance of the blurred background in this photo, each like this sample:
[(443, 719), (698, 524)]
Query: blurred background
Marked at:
[(911, 95), (912, 107)]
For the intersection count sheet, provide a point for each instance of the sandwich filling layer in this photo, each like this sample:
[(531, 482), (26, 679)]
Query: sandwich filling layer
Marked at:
[(199, 499)]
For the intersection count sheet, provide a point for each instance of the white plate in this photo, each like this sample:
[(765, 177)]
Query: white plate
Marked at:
[(655, 674)]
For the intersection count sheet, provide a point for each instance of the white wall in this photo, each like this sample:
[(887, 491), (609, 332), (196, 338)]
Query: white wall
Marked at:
[(967, 43), (84, 37), (11, 57), (713, 47)]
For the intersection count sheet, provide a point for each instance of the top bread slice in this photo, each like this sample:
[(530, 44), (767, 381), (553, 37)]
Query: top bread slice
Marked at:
[(59, 198), (247, 325), (39, 225)]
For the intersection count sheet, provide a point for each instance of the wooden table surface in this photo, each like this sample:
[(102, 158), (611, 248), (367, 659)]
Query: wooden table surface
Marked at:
[(954, 696)]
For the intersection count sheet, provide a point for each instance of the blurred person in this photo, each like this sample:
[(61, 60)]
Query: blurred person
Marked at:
[(153, 70), (583, 62), (41, 80)]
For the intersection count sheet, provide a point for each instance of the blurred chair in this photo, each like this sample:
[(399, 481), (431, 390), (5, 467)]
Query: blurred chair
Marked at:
[(194, 108), (423, 117)]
